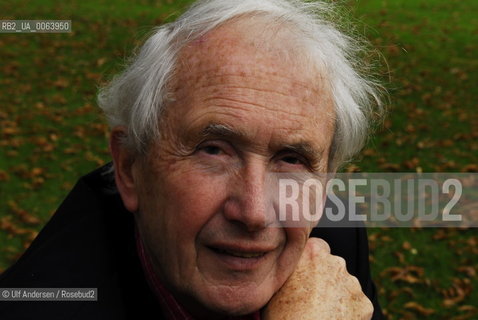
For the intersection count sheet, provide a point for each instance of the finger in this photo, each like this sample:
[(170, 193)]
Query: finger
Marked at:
[(363, 305)]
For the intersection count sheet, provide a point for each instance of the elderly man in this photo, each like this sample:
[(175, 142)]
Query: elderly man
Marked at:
[(212, 106)]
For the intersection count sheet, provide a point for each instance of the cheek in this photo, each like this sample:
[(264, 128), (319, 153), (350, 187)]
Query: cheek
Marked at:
[(184, 203), (176, 208), (195, 195)]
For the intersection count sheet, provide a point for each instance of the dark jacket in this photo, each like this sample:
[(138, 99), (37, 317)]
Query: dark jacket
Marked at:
[(89, 243)]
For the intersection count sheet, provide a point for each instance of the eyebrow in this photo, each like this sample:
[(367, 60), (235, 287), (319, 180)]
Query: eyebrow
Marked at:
[(221, 130), (304, 148)]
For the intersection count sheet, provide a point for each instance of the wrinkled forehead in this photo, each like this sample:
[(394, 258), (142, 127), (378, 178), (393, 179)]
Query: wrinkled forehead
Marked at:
[(242, 62), (252, 46)]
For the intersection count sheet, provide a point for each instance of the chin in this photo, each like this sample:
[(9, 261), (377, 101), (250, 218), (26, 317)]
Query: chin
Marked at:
[(232, 302), (236, 310), (236, 304)]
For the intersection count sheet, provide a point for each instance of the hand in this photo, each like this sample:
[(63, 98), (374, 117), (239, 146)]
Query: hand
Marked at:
[(319, 288)]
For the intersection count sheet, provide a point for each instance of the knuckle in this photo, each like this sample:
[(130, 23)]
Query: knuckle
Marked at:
[(340, 263), (318, 245), (365, 302), (367, 308), (354, 289), (354, 283), (363, 306)]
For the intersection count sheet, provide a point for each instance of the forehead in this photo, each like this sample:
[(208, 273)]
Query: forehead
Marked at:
[(250, 47), (237, 72)]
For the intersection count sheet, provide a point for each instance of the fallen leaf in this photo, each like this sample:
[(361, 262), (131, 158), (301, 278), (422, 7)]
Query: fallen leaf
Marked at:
[(419, 308), (4, 176)]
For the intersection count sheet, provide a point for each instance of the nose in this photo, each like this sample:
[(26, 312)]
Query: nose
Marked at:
[(250, 202)]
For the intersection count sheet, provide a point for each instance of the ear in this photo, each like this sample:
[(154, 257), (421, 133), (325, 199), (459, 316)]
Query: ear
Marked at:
[(124, 160)]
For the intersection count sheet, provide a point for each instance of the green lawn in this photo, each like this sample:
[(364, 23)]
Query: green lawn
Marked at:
[(51, 132)]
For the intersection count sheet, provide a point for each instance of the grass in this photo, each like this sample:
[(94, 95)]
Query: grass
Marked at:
[(430, 50), (51, 132)]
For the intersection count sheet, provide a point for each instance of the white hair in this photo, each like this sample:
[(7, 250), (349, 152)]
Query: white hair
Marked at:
[(137, 97)]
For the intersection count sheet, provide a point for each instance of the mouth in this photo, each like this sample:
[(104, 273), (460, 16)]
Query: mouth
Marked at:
[(241, 257), (238, 254)]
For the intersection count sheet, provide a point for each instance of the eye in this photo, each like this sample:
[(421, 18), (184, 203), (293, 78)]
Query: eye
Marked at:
[(216, 155), (212, 150), (292, 160), (288, 161)]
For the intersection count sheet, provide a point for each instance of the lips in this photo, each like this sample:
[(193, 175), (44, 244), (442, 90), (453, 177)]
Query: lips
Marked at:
[(240, 257), (244, 250), (239, 254)]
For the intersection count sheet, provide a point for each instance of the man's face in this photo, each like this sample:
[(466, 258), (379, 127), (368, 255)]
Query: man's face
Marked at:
[(239, 115)]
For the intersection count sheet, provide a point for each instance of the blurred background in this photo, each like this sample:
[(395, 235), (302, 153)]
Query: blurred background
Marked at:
[(52, 133)]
